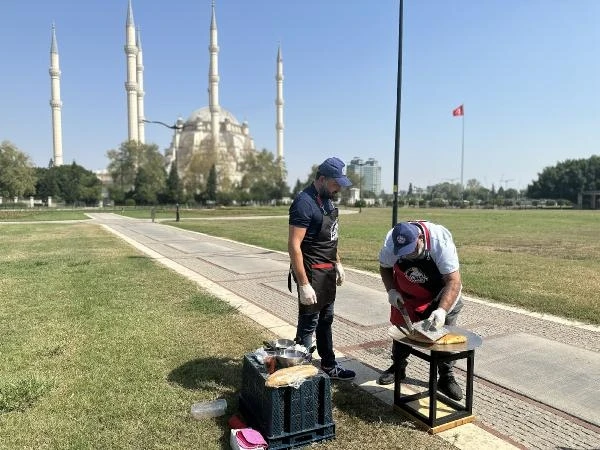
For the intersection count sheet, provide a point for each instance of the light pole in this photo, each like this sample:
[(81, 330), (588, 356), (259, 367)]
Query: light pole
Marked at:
[(398, 109), (176, 126), (172, 127)]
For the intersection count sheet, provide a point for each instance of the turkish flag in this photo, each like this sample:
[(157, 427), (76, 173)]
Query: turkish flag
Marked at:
[(458, 111)]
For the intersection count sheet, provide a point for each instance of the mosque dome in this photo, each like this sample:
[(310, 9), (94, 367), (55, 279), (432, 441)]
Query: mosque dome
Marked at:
[(203, 115)]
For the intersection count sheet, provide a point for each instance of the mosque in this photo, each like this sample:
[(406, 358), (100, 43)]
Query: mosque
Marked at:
[(210, 136)]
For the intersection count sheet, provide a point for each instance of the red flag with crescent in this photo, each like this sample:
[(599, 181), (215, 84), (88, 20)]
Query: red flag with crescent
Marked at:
[(460, 111)]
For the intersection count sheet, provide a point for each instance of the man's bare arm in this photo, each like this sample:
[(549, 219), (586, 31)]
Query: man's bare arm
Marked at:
[(295, 237)]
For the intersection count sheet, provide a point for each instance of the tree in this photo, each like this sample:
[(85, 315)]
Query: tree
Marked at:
[(124, 166), (196, 173), (298, 188), (47, 183), (174, 192), (567, 179), (211, 184), (71, 183), (152, 162), (17, 175), (264, 176)]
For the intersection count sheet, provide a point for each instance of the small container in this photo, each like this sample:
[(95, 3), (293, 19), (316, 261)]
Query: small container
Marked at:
[(205, 410), (270, 361)]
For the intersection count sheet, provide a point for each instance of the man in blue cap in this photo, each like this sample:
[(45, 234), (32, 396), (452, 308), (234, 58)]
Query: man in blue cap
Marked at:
[(315, 263), (419, 268)]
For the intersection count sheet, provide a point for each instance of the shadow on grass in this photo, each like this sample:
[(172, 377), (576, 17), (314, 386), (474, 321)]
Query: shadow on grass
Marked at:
[(357, 403), (208, 374), (220, 376)]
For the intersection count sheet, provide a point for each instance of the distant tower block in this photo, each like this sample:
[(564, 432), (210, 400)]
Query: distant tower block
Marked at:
[(55, 103)]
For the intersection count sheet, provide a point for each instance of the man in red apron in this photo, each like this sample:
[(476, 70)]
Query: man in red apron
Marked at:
[(419, 268), (315, 264)]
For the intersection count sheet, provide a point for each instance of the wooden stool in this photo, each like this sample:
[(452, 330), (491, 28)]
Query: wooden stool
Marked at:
[(431, 409)]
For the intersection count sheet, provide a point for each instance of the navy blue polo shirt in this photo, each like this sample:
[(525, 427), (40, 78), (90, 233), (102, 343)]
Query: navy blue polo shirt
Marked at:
[(305, 211)]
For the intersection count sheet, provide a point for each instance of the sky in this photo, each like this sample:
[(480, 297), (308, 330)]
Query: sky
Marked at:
[(527, 73)]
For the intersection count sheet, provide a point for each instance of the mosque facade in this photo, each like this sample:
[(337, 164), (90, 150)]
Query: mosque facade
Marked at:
[(211, 135)]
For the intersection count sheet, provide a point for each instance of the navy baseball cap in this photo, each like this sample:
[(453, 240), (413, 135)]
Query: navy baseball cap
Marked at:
[(334, 168), (405, 236)]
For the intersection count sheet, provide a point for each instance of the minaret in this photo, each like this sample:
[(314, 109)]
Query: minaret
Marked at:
[(131, 86), (55, 102), (279, 105), (140, 91), (175, 144), (213, 79)]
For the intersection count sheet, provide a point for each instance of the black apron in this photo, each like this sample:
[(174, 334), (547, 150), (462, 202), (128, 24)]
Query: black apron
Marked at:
[(319, 253)]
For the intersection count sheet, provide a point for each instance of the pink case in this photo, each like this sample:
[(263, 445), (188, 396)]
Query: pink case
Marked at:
[(249, 438)]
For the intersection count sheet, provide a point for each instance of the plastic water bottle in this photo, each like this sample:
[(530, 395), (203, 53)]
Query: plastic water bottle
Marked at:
[(205, 410)]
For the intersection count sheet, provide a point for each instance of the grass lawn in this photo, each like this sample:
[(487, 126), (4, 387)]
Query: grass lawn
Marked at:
[(542, 260), (163, 212), (103, 348), (21, 215)]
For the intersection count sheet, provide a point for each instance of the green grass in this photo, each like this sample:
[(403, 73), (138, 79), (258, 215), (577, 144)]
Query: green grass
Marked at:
[(169, 212), (103, 348), (20, 215), (543, 260)]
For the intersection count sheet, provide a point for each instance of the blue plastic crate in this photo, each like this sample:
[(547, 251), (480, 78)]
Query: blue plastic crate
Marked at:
[(286, 416)]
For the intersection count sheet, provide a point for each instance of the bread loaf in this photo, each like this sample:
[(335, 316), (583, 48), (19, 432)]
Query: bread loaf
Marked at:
[(452, 339), (291, 375), (448, 339)]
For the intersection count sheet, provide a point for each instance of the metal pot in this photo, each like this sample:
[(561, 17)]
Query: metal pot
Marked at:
[(279, 344), (289, 358)]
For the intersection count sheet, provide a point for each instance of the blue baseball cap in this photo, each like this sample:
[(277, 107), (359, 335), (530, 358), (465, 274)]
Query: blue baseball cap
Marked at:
[(334, 168), (405, 236)]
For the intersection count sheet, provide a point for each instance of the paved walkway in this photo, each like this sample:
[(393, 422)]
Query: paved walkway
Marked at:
[(537, 378)]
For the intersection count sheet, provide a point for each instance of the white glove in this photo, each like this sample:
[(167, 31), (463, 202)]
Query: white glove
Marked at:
[(395, 298), (308, 296), (437, 319), (341, 275)]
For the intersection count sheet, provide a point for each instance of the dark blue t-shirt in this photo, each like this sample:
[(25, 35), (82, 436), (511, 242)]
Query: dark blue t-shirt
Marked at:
[(305, 211)]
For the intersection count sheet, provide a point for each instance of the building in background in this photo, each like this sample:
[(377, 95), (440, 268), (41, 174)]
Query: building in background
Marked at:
[(369, 171), (55, 102), (213, 136)]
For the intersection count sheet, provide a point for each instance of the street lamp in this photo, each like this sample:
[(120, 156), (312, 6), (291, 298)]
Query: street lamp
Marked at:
[(398, 109), (176, 126), (172, 127)]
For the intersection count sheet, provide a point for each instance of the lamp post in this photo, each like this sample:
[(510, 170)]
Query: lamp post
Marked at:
[(176, 126), (172, 127), (398, 109)]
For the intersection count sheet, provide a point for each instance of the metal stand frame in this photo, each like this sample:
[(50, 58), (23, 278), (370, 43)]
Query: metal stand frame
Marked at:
[(462, 414)]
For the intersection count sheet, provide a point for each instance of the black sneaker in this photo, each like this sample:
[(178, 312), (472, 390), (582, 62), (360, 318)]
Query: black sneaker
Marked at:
[(337, 372), (448, 385), (387, 376)]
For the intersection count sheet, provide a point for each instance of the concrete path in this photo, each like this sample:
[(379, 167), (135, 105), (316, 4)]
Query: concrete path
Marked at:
[(537, 378)]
